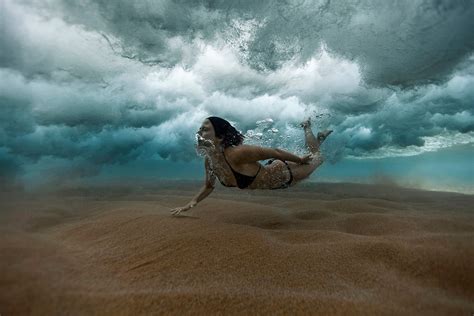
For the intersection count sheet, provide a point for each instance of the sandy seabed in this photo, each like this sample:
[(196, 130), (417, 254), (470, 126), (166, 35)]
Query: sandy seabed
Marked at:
[(328, 249)]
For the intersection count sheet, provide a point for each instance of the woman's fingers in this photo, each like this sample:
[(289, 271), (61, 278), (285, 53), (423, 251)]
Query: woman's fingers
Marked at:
[(306, 158), (178, 210)]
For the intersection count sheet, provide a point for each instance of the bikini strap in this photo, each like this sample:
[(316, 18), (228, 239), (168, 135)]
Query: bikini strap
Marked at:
[(228, 162), (259, 167)]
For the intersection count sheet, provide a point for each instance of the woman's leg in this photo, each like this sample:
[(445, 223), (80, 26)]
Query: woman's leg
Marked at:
[(310, 140), (313, 143)]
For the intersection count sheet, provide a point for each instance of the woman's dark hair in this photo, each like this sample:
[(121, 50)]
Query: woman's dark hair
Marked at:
[(223, 129)]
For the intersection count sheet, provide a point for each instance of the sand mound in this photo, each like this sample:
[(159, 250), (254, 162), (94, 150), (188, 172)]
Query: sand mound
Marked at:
[(262, 253)]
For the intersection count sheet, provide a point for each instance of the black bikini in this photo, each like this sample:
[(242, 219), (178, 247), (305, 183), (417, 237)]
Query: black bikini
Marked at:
[(242, 180)]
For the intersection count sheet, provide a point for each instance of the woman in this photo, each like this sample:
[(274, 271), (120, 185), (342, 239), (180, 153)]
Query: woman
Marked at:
[(237, 165)]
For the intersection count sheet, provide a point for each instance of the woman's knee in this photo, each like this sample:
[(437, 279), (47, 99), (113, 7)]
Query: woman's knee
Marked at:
[(301, 172)]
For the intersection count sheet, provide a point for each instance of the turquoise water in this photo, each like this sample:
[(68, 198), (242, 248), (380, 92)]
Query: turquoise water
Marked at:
[(94, 91)]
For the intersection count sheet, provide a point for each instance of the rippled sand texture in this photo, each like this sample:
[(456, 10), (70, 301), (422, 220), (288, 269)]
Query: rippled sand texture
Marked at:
[(337, 249)]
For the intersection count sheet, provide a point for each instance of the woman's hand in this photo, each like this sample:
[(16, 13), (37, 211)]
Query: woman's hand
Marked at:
[(178, 210), (306, 159)]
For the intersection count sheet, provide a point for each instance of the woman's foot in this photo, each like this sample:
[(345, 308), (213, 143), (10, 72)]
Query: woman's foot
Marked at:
[(322, 135), (306, 123)]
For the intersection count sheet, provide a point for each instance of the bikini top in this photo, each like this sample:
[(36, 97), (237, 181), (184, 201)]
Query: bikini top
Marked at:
[(242, 180)]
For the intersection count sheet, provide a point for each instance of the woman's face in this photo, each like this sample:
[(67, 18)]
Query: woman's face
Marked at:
[(206, 131)]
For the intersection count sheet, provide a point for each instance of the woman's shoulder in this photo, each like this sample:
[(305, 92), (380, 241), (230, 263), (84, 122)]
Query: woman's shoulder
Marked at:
[(236, 149), (238, 153), (231, 152), (244, 148)]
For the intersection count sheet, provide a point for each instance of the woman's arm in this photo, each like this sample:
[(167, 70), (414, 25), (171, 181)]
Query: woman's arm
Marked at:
[(206, 189), (284, 155), (203, 193), (248, 153)]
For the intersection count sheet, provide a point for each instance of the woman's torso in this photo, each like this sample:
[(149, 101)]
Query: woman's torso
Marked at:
[(266, 176)]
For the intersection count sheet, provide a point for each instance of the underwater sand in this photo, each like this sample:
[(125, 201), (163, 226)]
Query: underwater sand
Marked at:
[(338, 249)]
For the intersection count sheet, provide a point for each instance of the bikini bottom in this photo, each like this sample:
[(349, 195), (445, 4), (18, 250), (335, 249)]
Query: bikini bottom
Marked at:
[(286, 184)]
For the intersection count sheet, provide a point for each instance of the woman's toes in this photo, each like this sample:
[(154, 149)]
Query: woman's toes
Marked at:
[(322, 135), (306, 123)]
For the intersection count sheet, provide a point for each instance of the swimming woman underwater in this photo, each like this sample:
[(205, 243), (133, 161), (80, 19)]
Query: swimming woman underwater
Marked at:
[(237, 165)]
